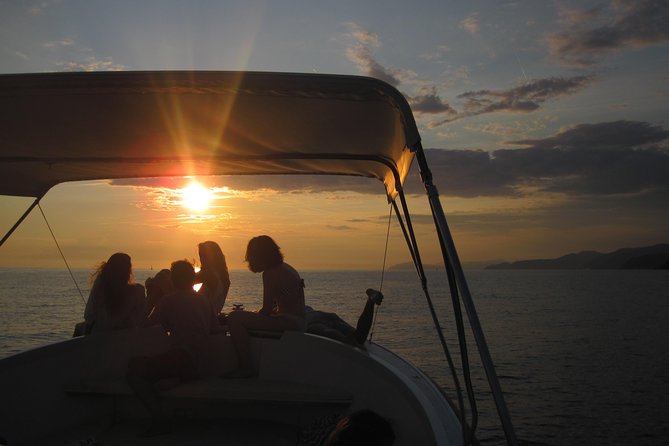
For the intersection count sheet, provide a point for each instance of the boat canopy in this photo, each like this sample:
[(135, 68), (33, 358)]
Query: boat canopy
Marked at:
[(59, 127)]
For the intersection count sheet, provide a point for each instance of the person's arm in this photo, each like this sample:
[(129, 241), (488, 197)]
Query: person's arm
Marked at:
[(267, 294), (163, 310), (91, 307), (141, 312)]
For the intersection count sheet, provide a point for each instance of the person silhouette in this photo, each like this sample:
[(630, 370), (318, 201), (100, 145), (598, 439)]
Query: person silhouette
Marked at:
[(213, 275), (186, 315), (283, 306), (115, 302)]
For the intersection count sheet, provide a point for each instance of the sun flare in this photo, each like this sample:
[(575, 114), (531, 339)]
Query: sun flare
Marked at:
[(196, 197)]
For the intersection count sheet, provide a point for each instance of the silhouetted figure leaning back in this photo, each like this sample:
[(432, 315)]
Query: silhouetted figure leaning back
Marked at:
[(332, 326)]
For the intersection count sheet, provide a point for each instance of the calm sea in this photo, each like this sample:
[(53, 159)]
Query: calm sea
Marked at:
[(582, 356)]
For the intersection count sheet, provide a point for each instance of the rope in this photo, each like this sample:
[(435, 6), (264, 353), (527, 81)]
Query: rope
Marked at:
[(383, 272), (61, 254)]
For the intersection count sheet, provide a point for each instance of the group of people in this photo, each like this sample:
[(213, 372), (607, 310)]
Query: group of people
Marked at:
[(170, 299)]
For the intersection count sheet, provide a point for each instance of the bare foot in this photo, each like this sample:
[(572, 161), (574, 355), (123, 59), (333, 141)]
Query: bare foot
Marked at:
[(374, 295)]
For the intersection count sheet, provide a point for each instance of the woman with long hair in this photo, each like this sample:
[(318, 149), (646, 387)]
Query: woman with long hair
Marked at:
[(283, 301), (213, 275), (115, 301)]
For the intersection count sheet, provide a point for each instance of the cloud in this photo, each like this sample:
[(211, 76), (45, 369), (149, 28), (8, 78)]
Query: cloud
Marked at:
[(514, 128), (39, 7), (523, 99), (20, 55), (436, 55), (618, 158), (362, 55), (627, 24), (92, 63), (463, 173), (430, 103), (58, 43), (471, 24), (618, 135), (622, 157), (342, 227)]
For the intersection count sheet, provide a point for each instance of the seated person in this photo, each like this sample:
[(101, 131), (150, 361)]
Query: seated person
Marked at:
[(187, 318), (115, 302), (213, 275), (332, 326), (157, 287), (283, 306)]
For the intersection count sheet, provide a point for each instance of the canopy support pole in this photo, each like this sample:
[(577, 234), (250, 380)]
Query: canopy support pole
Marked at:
[(452, 256), (20, 220), (415, 256)]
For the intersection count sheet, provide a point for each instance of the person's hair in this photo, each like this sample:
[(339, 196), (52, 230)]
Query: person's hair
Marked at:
[(212, 259), (262, 253), (362, 428), (113, 277), (183, 274), (160, 284)]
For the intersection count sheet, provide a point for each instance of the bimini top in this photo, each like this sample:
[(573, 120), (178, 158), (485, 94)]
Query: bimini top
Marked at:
[(58, 127)]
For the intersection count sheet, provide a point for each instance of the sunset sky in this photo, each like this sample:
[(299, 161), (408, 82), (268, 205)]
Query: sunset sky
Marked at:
[(546, 123)]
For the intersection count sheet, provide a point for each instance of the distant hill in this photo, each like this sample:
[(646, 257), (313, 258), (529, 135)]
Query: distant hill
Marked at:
[(649, 257)]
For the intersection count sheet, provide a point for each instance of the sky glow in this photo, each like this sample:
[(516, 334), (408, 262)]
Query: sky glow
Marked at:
[(545, 124)]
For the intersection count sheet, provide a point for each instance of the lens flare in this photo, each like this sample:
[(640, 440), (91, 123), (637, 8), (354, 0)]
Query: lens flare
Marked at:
[(196, 197)]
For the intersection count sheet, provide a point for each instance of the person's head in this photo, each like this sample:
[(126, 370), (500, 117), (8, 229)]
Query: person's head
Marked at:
[(183, 275), (159, 285), (262, 253), (117, 270), (211, 257), (362, 428), (114, 275)]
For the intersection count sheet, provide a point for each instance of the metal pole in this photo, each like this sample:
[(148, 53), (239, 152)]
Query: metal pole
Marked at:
[(475, 324), (20, 220)]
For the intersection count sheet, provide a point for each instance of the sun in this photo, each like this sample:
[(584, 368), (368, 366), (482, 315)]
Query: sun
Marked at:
[(196, 197)]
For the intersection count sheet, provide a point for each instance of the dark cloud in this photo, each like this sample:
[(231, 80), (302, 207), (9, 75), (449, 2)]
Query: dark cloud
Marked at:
[(629, 24), (621, 157), (430, 103), (522, 99), (342, 228), (463, 173), (592, 159), (608, 135)]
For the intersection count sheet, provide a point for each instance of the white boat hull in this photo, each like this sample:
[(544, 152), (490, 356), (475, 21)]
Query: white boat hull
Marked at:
[(73, 390)]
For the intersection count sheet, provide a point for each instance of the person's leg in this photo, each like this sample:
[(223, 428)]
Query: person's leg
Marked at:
[(367, 316), (239, 322), (145, 372), (141, 383)]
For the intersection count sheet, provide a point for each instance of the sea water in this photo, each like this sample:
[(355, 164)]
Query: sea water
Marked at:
[(582, 356)]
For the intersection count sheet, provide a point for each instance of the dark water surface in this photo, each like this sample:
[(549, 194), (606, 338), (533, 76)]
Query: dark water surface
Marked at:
[(583, 356)]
